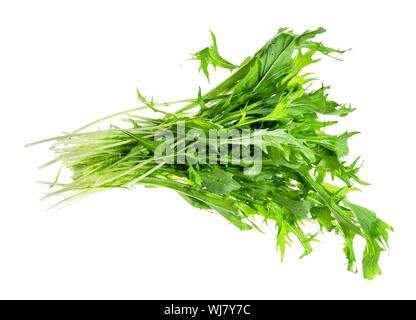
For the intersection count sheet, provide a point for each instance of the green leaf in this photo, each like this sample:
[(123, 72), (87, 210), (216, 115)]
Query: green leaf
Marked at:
[(376, 236), (218, 181), (300, 208), (317, 102), (323, 215), (211, 56), (338, 144)]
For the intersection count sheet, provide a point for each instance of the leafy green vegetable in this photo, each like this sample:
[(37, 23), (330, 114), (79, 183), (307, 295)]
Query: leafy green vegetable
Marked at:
[(268, 98)]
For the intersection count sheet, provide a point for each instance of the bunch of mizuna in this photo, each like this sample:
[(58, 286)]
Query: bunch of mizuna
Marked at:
[(268, 94)]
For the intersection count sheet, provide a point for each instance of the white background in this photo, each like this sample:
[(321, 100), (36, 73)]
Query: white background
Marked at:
[(65, 63)]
